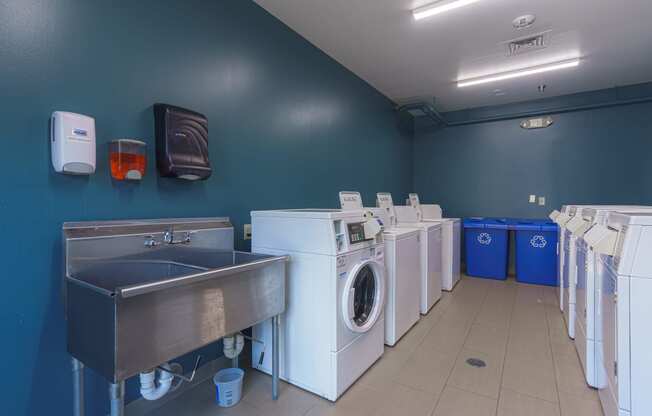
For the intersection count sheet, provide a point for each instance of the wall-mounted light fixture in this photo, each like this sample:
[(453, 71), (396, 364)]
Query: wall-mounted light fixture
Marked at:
[(537, 123)]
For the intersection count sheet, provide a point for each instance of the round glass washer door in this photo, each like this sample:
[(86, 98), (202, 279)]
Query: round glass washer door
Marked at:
[(363, 296)]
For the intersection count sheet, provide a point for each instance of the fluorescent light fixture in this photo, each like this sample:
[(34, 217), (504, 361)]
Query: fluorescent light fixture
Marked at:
[(439, 7), (518, 73)]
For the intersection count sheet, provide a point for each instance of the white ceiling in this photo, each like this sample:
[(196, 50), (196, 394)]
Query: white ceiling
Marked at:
[(380, 42)]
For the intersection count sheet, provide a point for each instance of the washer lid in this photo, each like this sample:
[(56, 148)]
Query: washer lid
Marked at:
[(398, 233)]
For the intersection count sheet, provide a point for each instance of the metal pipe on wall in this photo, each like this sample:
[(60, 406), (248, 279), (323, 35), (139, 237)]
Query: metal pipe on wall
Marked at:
[(439, 118)]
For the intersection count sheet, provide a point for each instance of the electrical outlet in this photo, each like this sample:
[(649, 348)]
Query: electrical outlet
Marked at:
[(533, 199), (542, 200), (247, 231)]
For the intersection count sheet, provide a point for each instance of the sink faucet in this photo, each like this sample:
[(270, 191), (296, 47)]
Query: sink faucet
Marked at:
[(168, 238)]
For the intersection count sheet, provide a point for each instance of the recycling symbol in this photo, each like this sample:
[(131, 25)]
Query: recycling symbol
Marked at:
[(538, 241), (484, 238)]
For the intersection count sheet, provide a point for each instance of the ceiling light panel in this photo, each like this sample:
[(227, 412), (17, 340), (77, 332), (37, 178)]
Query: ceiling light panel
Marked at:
[(439, 7), (519, 73)]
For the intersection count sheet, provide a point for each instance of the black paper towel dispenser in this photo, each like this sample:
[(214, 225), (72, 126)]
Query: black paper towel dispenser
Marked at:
[(181, 143)]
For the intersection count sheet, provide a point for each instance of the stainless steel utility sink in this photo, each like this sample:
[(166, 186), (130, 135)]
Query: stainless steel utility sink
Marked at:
[(140, 293)]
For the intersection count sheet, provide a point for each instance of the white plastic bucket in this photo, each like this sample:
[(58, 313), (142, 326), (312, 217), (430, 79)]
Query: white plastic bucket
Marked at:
[(228, 386)]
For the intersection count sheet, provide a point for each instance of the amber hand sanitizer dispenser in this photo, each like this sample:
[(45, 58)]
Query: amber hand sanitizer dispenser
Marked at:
[(181, 143), (128, 159)]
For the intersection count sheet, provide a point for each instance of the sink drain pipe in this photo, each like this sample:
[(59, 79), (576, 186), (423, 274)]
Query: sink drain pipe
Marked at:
[(233, 346), (153, 388)]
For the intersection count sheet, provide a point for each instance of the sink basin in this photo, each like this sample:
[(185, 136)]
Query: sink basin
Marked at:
[(113, 275), (146, 272), (134, 301)]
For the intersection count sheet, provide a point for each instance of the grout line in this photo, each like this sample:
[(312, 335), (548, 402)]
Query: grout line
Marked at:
[(531, 396), (509, 331), (554, 364), (450, 373), (441, 315)]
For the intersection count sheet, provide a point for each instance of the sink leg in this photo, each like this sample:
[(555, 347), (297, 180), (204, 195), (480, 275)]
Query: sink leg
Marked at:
[(235, 362), (117, 396), (78, 387), (275, 355)]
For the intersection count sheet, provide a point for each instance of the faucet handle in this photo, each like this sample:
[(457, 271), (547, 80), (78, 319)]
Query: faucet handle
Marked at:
[(151, 242), (168, 237)]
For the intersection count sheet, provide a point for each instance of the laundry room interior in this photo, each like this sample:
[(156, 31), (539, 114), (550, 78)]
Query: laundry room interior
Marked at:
[(326, 207)]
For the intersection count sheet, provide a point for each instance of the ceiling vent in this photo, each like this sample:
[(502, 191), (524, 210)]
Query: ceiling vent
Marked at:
[(527, 44)]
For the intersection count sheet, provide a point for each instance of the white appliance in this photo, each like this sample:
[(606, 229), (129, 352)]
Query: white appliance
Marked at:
[(402, 269), (451, 241), (72, 139), (624, 265), (430, 241), (561, 218), (570, 268), (333, 327), (573, 228), (587, 288)]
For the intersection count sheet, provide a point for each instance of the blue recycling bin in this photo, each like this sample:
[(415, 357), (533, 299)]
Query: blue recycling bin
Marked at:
[(536, 252), (486, 242)]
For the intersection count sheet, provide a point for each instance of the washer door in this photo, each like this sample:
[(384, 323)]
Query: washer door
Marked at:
[(363, 297)]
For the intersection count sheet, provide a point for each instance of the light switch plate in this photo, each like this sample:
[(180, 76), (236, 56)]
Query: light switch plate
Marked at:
[(533, 199), (247, 231), (542, 200)]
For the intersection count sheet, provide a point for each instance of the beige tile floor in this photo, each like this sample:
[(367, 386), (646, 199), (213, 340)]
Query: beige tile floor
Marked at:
[(531, 368)]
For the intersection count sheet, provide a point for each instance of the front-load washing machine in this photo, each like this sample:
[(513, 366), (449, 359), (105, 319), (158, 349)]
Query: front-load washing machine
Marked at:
[(451, 241), (624, 265), (333, 328), (402, 269), (430, 241)]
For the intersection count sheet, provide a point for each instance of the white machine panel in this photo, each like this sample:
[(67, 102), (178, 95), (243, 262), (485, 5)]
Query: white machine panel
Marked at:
[(72, 138), (350, 200), (402, 264), (329, 335), (625, 311)]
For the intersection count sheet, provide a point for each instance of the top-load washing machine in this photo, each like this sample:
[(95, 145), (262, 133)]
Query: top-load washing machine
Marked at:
[(587, 288), (430, 241), (624, 265), (451, 240), (402, 268), (333, 328)]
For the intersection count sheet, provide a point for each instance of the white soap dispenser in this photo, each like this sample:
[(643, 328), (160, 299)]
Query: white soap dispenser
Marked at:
[(72, 137)]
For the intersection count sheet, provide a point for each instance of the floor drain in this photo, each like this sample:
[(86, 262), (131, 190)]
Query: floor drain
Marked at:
[(476, 362)]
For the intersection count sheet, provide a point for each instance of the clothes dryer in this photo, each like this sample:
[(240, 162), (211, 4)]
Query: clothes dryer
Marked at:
[(587, 287), (624, 265)]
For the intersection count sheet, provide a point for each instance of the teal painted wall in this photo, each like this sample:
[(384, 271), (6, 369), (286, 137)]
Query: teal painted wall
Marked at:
[(490, 169), (289, 127)]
